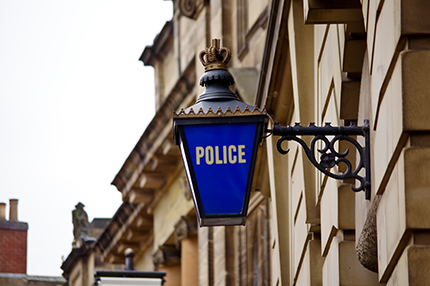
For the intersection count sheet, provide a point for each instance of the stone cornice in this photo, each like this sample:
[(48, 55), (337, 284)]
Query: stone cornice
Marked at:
[(150, 141), (107, 239), (130, 227), (74, 256), (162, 42)]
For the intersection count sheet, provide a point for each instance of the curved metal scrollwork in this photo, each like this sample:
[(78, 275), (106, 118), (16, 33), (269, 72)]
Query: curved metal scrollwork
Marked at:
[(329, 155)]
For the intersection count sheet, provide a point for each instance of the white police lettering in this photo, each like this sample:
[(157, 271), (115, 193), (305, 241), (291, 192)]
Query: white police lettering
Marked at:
[(220, 155)]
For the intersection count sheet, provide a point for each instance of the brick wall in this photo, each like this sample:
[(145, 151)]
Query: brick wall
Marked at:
[(13, 247)]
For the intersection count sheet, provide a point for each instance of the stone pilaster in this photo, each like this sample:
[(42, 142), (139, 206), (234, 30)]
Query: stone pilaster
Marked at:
[(168, 258), (186, 239)]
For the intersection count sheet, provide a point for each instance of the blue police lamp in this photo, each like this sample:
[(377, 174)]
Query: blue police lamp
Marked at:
[(218, 138)]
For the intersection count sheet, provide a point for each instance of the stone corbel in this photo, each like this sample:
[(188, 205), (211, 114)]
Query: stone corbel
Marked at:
[(191, 8), (185, 227), (166, 255)]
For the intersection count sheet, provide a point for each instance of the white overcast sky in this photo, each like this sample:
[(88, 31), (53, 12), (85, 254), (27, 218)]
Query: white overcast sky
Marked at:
[(74, 101)]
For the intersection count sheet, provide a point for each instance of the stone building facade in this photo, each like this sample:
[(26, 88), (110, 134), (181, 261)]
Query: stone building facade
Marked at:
[(304, 61), (343, 62)]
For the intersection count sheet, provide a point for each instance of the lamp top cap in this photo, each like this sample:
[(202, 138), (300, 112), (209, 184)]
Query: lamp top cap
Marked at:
[(215, 57)]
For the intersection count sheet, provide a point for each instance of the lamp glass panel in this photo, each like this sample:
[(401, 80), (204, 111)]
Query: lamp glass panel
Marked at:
[(221, 159)]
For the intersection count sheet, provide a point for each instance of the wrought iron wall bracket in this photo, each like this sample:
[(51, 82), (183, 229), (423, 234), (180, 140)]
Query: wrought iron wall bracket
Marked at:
[(329, 156)]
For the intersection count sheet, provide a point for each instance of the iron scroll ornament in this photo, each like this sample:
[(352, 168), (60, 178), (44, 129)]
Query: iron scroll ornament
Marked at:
[(329, 156)]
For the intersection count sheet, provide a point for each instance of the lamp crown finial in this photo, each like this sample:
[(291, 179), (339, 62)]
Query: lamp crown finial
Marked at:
[(215, 57)]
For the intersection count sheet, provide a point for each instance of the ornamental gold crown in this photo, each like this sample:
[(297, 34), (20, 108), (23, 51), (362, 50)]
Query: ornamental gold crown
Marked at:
[(215, 57)]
